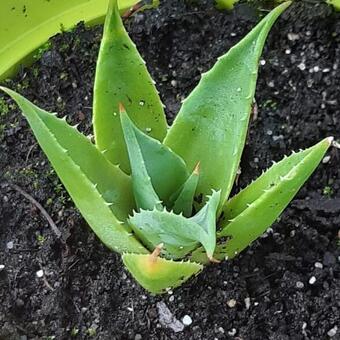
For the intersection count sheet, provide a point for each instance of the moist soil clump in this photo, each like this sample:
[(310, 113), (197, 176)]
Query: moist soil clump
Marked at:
[(285, 286)]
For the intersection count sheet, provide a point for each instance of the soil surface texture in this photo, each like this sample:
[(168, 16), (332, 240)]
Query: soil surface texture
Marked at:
[(285, 286)]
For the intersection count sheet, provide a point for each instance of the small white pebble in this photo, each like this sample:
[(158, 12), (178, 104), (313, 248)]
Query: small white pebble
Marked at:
[(173, 83), (2, 267), (318, 265), (299, 284), (187, 321), (231, 303), (332, 331), (171, 298), (10, 245), (293, 36), (262, 62), (40, 273), (269, 132), (312, 280), (288, 51), (302, 66), (232, 332), (326, 159), (256, 303), (247, 302), (316, 68), (221, 330)]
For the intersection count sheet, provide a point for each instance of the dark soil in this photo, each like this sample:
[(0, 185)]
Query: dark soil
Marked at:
[(85, 292)]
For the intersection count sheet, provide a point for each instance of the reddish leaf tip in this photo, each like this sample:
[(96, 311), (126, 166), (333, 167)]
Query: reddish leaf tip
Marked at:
[(197, 169), (121, 107)]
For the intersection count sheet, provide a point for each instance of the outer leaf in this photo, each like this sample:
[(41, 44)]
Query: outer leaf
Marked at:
[(215, 115), (184, 201), (26, 25), (179, 235), (248, 214), (167, 171), (157, 274), (267, 197), (93, 183), (145, 195), (121, 76)]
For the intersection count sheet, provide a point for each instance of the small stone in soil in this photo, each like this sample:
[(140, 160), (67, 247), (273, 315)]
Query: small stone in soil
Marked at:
[(231, 303), (187, 321), (293, 36), (312, 280), (302, 66), (40, 273), (2, 267), (167, 319), (318, 265), (10, 245), (299, 284), (326, 159), (232, 332), (247, 302), (332, 331)]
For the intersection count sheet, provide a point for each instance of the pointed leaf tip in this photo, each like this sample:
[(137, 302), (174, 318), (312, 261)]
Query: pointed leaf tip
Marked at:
[(121, 107), (76, 161), (118, 56), (216, 124), (257, 206), (197, 169)]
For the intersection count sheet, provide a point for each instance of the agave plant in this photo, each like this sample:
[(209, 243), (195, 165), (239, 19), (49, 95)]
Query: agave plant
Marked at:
[(157, 195)]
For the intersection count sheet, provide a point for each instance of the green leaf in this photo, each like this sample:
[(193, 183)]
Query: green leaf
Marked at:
[(248, 214), (21, 33), (185, 197), (206, 218), (176, 232), (156, 274), (121, 77), (99, 189), (225, 4), (335, 4), (167, 171), (211, 126), (145, 195), (179, 235)]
